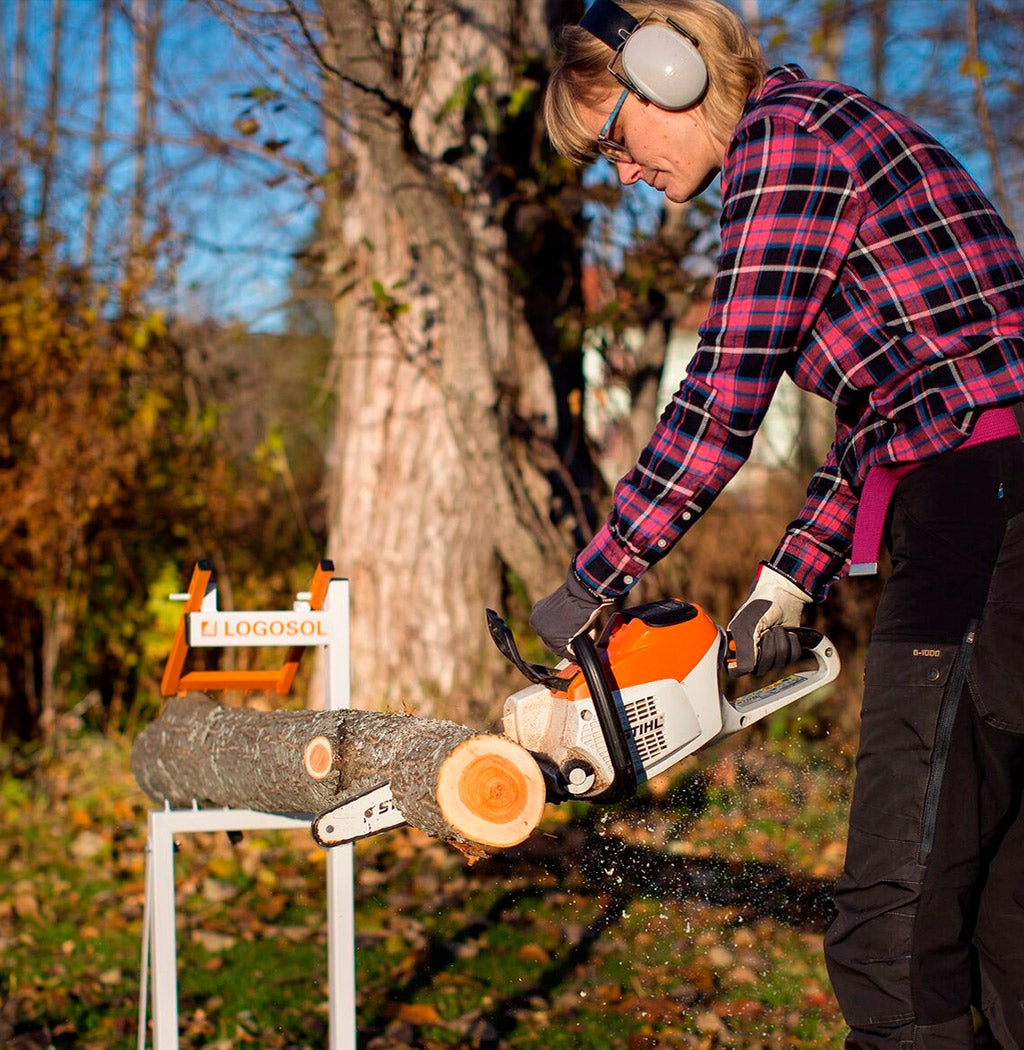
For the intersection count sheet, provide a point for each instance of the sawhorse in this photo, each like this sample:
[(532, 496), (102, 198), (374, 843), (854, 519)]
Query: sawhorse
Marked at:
[(319, 617)]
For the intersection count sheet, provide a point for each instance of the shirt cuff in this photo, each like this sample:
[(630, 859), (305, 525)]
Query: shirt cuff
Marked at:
[(811, 567), (608, 568)]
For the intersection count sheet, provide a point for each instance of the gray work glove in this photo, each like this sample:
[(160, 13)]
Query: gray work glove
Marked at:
[(762, 643), (565, 613)]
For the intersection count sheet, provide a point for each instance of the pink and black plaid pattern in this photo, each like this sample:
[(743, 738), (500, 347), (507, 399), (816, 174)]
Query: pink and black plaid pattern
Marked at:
[(859, 257)]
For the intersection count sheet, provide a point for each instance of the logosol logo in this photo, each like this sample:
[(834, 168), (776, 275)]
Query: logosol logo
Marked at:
[(262, 627)]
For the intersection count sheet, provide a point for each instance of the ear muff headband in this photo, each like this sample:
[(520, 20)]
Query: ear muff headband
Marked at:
[(660, 62)]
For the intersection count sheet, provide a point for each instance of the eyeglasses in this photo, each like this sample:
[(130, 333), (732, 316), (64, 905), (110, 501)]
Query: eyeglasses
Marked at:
[(608, 147)]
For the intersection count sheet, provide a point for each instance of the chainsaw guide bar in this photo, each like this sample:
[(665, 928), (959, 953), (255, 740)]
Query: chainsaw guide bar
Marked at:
[(358, 817)]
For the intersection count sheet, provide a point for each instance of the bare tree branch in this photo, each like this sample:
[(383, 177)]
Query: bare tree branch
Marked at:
[(976, 69), (393, 105), (49, 157), (95, 190)]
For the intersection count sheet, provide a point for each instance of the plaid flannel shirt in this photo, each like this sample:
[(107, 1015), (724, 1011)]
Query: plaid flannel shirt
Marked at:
[(860, 258)]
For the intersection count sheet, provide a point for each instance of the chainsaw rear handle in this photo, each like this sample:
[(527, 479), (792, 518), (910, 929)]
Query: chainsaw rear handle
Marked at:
[(808, 638), (736, 715), (624, 782), (755, 705)]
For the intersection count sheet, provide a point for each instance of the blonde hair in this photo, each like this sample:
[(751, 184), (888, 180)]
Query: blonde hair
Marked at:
[(735, 63)]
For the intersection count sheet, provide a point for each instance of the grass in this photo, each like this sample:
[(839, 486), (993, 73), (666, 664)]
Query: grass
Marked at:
[(689, 918)]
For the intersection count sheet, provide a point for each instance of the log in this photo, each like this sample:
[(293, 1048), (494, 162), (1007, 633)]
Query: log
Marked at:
[(479, 792)]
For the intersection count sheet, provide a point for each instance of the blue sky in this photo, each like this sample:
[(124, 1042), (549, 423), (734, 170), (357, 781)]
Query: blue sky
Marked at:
[(234, 235)]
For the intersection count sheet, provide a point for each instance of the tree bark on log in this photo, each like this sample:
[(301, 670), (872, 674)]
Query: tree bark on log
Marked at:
[(478, 791)]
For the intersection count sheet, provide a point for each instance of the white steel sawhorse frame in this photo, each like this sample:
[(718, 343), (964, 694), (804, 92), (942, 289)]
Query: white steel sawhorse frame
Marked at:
[(320, 617)]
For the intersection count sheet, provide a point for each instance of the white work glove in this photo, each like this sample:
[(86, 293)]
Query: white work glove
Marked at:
[(762, 643)]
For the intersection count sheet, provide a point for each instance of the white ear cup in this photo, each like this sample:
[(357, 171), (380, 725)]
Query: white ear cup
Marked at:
[(664, 66)]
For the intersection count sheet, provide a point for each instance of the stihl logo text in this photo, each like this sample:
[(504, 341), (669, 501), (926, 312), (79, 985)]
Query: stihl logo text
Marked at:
[(651, 725)]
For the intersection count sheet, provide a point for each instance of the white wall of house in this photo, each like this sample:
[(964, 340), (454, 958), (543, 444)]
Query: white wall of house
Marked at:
[(776, 443), (607, 407)]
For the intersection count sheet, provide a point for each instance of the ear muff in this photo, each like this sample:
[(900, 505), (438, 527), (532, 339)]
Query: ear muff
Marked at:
[(660, 61), (664, 66)]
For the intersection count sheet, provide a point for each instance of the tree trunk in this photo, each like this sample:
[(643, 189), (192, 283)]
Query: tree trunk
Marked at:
[(830, 38), (99, 132), (48, 161), (476, 791), (984, 117), (879, 38), (14, 167), (430, 500), (145, 16), (19, 62)]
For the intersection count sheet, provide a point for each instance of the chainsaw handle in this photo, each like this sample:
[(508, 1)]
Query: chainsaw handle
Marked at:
[(624, 782), (752, 707), (808, 638)]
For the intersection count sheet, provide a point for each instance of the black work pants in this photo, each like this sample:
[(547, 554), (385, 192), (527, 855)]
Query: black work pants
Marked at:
[(930, 905)]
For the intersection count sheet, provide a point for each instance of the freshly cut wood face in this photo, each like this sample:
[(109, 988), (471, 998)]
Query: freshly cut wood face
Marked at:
[(318, 758), (492, 790)]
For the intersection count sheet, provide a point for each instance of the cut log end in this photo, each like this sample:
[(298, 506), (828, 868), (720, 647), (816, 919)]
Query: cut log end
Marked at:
[(318, 758), (492, 791)]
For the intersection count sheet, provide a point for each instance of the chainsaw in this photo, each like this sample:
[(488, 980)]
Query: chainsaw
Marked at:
[(641, 699), (637, 702)]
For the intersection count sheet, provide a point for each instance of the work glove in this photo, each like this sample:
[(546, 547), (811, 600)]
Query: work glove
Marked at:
[(762, 643), (565, 613)]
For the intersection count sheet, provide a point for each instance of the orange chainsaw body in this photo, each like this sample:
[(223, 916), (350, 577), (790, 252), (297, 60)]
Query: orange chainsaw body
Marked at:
[(635, 652)]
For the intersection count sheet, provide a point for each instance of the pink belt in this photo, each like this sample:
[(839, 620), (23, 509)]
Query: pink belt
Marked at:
[(993, 424)]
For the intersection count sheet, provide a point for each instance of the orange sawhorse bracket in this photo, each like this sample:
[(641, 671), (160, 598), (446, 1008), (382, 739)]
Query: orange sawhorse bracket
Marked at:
[(280, 680)]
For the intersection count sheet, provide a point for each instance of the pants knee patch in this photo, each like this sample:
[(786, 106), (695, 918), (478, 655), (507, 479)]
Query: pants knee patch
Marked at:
[(869, 966), (868, 946)]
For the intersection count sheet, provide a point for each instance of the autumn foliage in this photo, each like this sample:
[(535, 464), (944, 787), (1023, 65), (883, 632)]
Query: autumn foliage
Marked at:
[(117, 467)]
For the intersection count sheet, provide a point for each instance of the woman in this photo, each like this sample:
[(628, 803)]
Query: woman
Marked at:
[(858, 257)]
